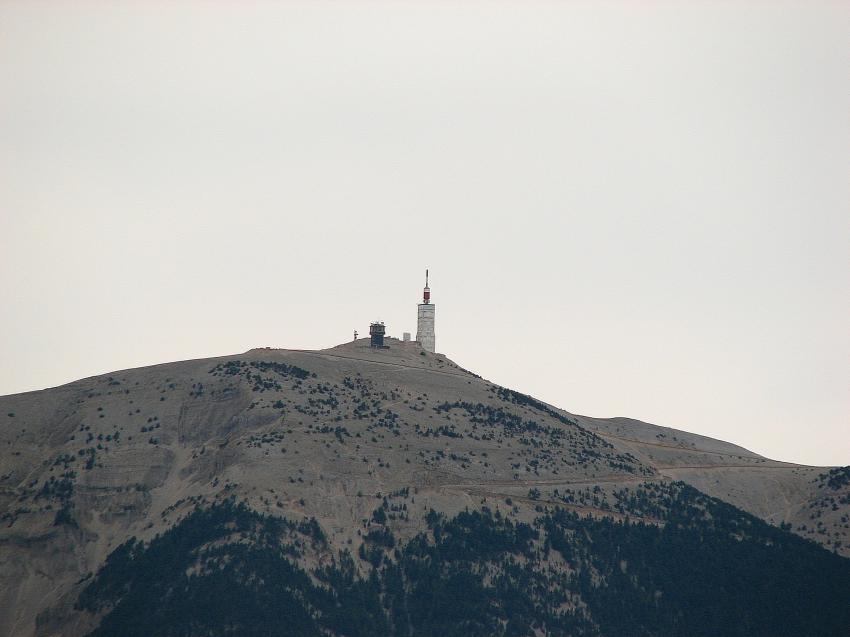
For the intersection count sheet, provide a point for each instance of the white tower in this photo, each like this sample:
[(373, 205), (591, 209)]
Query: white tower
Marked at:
[(425, 320)]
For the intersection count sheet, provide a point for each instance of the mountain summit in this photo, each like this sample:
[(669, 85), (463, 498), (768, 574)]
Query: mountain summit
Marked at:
[(389, 491)]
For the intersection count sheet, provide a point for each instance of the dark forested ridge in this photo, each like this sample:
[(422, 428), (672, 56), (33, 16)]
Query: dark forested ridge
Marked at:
[(706, 569)]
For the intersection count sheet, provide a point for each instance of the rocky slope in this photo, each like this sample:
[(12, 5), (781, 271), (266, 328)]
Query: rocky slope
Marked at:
[(356, 447)]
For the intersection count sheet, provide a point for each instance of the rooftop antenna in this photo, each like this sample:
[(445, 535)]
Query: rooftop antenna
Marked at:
[(426, 294)]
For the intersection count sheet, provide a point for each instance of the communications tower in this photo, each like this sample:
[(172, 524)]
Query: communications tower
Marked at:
[(425, 319)]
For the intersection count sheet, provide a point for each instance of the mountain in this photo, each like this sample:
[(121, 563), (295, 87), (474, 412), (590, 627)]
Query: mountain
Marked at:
[(360, 491)]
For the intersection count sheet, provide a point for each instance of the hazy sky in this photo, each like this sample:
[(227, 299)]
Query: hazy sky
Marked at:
[(628, 209)]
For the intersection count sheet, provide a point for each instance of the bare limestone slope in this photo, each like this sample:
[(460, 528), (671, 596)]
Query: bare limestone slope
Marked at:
[(329, 434)]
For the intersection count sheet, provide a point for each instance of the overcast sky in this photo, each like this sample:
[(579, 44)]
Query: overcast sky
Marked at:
[(629, 209)]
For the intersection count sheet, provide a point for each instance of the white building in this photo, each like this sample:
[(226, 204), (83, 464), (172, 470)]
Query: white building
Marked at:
[(425, 320)]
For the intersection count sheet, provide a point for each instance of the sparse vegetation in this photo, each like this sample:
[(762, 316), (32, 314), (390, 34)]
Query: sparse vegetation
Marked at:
[(835, 479)]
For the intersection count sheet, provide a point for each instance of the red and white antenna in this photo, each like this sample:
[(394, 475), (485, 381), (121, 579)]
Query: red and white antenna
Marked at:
[(426, 294)]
